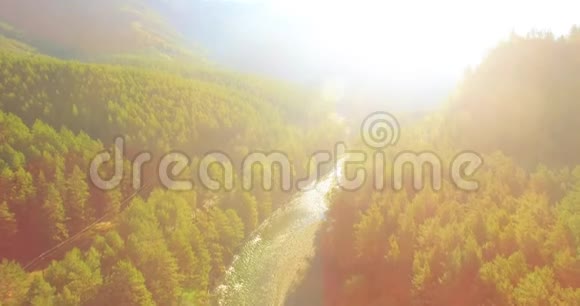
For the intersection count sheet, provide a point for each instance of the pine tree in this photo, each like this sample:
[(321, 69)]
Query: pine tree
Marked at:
[(13, 283), (126, 286), (8, 228), (79, 214), (23, 186), (54, 216), (109, 247), (41, 293), (112, 203), (7, 183), (77, 278), (536, 288)]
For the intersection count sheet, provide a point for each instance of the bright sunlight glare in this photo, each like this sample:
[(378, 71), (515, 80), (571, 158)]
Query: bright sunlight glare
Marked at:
[(419, 48), (410, 39), (412, 50)]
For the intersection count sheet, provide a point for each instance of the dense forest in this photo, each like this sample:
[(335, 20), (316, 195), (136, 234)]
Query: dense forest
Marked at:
[(514, 241), (64, 98), (125, 246)]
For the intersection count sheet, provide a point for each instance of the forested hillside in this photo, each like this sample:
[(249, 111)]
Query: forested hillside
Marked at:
[(514, 241), (123, 246), (75, 75), (531, 81), (66, 28)]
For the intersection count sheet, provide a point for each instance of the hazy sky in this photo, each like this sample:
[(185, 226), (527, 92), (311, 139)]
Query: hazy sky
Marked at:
[(411, 46)]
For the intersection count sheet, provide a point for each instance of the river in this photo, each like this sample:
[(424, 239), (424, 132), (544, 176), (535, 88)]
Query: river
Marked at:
[(272, 261)]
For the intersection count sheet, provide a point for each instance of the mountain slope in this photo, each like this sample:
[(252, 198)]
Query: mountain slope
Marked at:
[(79, 28)]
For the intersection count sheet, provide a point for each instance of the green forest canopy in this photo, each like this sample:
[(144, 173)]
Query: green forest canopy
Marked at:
[(515, 241), (160, 247)]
